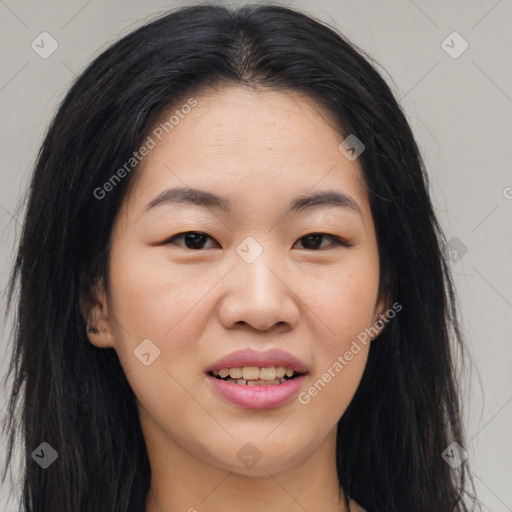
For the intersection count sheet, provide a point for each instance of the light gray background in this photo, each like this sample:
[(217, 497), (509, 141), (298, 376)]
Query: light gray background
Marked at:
[(460, 110)]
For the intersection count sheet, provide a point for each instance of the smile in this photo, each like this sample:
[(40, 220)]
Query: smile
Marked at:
[(260, 389), (255, 376)]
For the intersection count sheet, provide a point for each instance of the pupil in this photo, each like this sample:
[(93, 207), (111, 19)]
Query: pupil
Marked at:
[(196, 240), (315, 238)]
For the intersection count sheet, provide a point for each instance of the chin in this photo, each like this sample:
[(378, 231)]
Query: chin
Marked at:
[(260, 457)]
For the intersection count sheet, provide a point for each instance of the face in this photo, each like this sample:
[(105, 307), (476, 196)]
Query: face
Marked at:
[(262, 270)]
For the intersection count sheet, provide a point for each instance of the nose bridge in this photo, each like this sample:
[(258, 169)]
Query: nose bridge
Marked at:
[(254, 262), (257, 293)]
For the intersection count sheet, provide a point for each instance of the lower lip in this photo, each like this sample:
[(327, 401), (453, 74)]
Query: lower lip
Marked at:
[(257, 397)]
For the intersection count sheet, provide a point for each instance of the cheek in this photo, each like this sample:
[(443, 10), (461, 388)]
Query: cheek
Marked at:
[(344, 305), (149, 302), (344, 299), (152, 297), (340, 352)]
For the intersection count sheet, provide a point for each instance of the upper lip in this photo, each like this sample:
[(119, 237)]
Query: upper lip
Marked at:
[(274, 357)]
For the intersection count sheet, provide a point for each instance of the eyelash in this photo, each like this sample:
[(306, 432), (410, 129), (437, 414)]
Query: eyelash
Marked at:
[(336, 240)]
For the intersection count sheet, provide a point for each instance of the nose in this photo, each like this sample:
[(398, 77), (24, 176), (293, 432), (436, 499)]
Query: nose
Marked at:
[(259, 295)]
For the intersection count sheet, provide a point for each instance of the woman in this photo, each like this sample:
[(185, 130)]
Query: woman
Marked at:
[(233, 290)]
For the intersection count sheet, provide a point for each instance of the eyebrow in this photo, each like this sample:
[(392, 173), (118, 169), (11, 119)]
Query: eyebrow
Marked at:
[(180, 195)]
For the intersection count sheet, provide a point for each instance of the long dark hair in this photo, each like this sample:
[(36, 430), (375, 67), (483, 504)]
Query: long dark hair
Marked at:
[(406, 410)]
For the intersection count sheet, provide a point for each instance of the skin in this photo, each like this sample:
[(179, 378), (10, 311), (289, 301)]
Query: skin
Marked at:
[(261, 149)]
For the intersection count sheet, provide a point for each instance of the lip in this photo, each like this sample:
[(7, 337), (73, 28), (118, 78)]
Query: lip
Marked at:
[(248, 357), (257, 397)]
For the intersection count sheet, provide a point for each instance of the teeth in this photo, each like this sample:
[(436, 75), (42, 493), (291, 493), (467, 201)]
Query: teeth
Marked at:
[(244, 382), (268, 373), (236, 373), (250, 372), (247, 374)]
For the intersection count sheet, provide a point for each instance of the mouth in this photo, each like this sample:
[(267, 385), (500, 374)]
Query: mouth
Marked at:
[(260, 389), (256, 375), (257, 380)]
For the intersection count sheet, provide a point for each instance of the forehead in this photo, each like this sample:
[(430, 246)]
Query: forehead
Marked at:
[(238, 118), (261, 143)]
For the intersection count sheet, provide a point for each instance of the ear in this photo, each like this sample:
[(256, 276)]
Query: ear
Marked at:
[(94, 309)]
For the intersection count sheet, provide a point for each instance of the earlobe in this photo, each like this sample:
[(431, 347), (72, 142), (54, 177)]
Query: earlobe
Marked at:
[(100, 340), (94, 309), (100, 334)]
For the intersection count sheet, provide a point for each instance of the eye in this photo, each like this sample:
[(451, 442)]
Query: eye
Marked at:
[(313, 240), (195, 240)]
